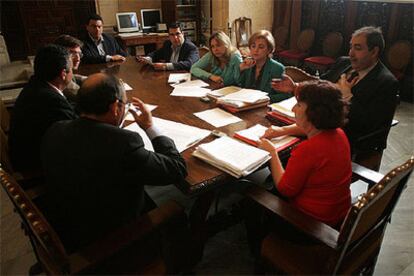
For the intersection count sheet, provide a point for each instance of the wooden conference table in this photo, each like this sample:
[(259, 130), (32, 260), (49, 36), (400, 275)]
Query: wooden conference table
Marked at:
[(204, 182), (151, 86)]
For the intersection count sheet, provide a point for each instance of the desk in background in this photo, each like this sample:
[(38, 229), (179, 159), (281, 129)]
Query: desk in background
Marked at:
[(129, 43)]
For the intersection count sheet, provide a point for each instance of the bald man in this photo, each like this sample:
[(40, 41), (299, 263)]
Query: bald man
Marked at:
[(108, 165)]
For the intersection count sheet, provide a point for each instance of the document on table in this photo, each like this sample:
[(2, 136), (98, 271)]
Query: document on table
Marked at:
[(190, 91), (247, 96), (179, 77), (193, 83), (285, 107), (217, 117), (233, 157), (184, 136), (129, 116), (224, 91), (127, 87), (252, 136)]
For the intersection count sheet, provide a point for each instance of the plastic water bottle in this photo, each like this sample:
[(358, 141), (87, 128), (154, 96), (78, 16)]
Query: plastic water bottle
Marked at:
[(317, 74)]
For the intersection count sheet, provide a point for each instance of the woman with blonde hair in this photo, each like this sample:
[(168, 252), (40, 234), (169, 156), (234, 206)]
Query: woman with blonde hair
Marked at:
[(221, 64), (258, 70)]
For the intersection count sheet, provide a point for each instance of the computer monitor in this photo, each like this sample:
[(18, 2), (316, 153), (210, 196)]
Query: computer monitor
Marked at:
[(150, 18), (127, 22)]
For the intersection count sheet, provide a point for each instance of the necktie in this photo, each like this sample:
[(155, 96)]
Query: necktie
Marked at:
[(352, 76)]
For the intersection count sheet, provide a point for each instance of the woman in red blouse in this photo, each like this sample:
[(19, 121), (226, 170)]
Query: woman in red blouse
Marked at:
[(318, 174)]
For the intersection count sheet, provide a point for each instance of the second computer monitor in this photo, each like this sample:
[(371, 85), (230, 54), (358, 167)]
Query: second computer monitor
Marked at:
[(150, 18)]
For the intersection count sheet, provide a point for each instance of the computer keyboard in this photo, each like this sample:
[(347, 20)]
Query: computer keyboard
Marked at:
[(130, 34)]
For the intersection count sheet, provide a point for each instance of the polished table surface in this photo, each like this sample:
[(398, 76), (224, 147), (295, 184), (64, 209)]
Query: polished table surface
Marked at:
[(152, 87)]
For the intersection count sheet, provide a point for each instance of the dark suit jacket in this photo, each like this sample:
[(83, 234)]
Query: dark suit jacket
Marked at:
[(37, 107), (91, 53), (372, 106), (188, 55), (96, 174)]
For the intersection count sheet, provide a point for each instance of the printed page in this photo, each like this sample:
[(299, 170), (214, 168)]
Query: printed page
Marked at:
[(127, 87), (179, 77), (217, 117), (285, 107), (129, 116), (247, 96), (184, 136), (193, 83), (190, 92), (253, 133)]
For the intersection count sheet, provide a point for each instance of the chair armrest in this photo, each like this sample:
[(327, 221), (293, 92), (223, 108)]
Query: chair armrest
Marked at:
[(123, 236), (300, 220), (366, 174)]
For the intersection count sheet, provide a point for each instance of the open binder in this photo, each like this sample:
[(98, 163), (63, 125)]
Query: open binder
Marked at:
[(236, 158)]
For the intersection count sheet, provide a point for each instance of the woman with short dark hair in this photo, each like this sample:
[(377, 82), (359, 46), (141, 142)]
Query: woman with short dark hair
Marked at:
[(318, 174)]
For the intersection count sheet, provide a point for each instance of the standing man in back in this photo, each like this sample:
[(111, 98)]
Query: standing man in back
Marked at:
[(177, 53), (99, 47), (40, 104)]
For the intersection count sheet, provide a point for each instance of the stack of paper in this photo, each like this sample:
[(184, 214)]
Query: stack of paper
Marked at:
[(282, 111), (223, 91), (193, 83), (190, 91), (217, 117), (184, 136), (179, 77), (252, 136), (244, 99), (231, 156)]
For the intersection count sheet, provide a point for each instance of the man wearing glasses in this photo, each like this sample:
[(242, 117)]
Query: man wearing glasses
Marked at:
[(177, 53), (73, 45), (108, 165)]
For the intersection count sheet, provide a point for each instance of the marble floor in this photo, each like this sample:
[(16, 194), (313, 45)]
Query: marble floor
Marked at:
[(227, 252)]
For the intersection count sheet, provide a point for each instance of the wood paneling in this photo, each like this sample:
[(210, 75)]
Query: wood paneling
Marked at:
[(27, 25)]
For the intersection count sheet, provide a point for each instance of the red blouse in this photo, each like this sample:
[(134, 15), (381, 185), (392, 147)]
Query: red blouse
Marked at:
[(318, 176)]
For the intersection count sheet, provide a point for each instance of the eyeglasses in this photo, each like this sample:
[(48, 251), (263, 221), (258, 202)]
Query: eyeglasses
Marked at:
[(175, 34), (75, 53)]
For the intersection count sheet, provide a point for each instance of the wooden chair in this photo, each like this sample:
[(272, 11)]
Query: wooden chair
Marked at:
[(4, 118), (331, 46), (280, 34), (298, 75), (352, 249), (398, 57), (370, 158), (243, 31), (12, 74), (32, 182), (296, 55), (134, 248)]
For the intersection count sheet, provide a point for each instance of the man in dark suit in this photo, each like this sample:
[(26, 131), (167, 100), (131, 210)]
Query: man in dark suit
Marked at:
[(368, 86), (40, 104), (99, 47), (96, 171), (177, 53)]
